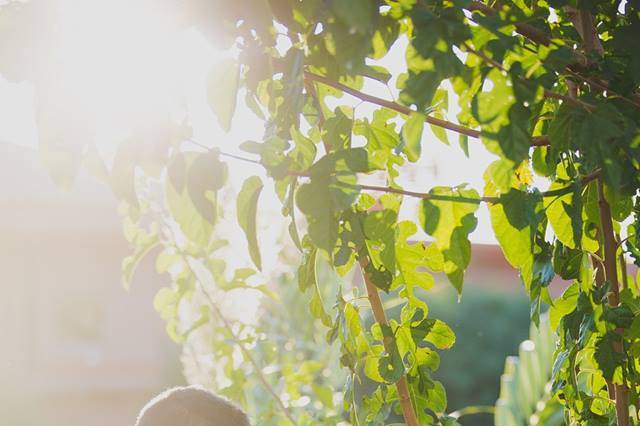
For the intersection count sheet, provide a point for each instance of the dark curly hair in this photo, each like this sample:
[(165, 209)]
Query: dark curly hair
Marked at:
[(191, 406)]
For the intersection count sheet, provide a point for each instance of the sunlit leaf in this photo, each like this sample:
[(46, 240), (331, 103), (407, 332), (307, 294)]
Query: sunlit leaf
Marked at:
[(247, 206), (222, 90)]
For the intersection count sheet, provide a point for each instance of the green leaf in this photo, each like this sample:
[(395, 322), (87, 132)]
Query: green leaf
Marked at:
[(515, 221), (563, 305), (307, 277), (357, 14), (565, 126), (379, 227), (372, 365), (206, 175), (324, 394), (440, 106), (380, 135), (499, 176), (620, 316), (565, 215), (493, 105), (192, 223), (290, 210), (433, 331), (449, 216), (222, 91), (321, 200), (317, 307), (441, 335), (566, 262), (390, 366), (336, 131), (463, 141), (345, 161), (441, 134), (304, 151), (247, 205), (505, 122), (412, 259), (595, 133), (606, 356), (412, 136), (437, 398)]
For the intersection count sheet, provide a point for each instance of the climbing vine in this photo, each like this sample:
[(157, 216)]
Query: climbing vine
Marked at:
[(549, 87)]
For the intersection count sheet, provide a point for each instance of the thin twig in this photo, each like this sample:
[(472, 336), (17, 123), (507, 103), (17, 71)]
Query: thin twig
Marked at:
[(598, 265), (539, 37), (460, 199), (532, 33), (223, 153), (422, 195), (390, 105), (473, 133), (602, 86), (547, 93), (228, 326)]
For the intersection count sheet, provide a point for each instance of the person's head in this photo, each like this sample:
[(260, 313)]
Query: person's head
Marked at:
[(191, 406)]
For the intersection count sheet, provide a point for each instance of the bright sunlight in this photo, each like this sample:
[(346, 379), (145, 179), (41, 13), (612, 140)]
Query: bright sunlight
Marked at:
[(122, 62)]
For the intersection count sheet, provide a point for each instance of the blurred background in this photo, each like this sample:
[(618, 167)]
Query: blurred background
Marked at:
[(77, 349)]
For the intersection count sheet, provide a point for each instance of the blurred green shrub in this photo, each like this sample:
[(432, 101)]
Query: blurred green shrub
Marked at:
[(489, 324)]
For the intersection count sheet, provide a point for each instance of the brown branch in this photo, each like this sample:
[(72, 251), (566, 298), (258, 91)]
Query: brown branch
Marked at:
[(592, 43), (540, 141), (575, 101), (435, 197), (404, 396), (603, 86), (585, 26), (623, 271), (391, 105), (311, 88), (532, 33), (547, 93), (598, 266), (402, 386), (611, 274), (423, 195), (473, 133)]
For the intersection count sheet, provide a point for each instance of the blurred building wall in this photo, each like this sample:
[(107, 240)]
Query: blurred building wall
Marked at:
[(76, 348)]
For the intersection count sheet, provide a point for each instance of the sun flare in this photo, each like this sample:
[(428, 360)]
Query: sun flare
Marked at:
[(120, 62)]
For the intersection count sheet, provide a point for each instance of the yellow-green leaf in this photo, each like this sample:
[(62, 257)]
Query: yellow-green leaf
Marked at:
[(247, 205)]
